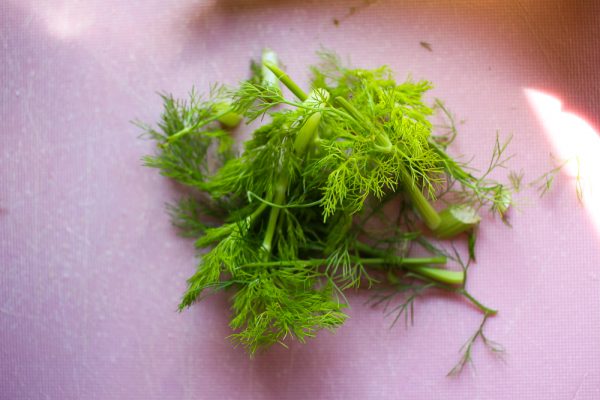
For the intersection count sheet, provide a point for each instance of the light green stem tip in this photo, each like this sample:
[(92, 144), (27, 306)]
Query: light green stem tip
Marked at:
[(268, 77), (228, 119), (456, 219), (441, 275)]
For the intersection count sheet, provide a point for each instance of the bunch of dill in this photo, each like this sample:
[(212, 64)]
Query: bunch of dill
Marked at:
[(295, 217)]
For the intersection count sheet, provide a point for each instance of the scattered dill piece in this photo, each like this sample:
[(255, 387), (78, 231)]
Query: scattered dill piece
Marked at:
[(299, 214), (467, 348), (545, 182), (426, 46)]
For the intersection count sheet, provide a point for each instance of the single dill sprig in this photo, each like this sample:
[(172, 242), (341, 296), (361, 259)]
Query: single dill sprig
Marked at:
[(186, 160), (467, 348), (446, 138), (479, 191), (545, 182)]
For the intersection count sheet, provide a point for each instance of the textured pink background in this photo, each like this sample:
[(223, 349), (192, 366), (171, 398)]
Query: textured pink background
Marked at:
[(91, 270)]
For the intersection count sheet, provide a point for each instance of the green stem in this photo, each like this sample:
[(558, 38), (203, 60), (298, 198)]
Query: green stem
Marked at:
[(197, 125), (286, 80), (250, 219), (230, 119), (323, 261), (349, 108), (365, 248), (452, 166), (280, 189), (252, 195), (440, 275), (306, 134), (304, 138), (486, 310), (456, 219), (416, 265), (403, 261), (428, 213), (231, 228)]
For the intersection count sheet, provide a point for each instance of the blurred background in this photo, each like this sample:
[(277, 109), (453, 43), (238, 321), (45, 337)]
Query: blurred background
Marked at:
[(92, 271)]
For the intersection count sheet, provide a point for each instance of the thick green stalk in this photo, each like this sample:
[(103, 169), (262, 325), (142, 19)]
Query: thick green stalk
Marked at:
[(428, 213), (416, 265), (350, 109), (279, 198), (456, 219), (439, 275), (228, 118), (286, 80), (365, 248), (307, 134)]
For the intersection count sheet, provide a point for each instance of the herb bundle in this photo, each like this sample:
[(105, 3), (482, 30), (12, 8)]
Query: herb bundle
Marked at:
[(337, 189)]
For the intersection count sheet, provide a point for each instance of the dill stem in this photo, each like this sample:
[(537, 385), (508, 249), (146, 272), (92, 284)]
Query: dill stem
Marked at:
[(428, 213), (280, 189), (306, 134), (365, 248), (403, 261), (250, 218), (486, 310), (439, 275), (456, 219), (416, 265), (366, 261), (197, 125), (451, 165), (349, 108), (286, 80)]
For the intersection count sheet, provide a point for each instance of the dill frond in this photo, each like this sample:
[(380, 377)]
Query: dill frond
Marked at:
[(299, 213)]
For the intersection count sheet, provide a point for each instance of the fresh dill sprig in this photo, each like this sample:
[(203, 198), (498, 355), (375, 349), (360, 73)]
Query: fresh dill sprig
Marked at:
[(299, 214), (467, 348)]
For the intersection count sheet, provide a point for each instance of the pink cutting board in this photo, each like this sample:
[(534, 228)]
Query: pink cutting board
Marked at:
[(92, 271)]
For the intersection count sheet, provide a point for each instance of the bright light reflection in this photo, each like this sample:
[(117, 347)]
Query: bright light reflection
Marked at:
[(575, 141), (64, 20)]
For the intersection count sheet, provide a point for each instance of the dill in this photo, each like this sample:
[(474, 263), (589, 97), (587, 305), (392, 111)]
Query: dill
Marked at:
[(299, 214)]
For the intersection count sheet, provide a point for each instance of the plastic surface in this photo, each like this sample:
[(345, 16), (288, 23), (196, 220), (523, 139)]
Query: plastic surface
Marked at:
[(92, 271)]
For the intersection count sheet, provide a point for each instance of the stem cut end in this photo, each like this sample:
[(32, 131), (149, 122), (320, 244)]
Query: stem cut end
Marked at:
[(456, 219)]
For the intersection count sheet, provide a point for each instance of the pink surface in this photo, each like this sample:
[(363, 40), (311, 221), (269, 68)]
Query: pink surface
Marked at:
[(92, 270)]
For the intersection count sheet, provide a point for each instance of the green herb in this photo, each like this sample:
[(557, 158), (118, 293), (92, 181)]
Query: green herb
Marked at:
[(300, 214)]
